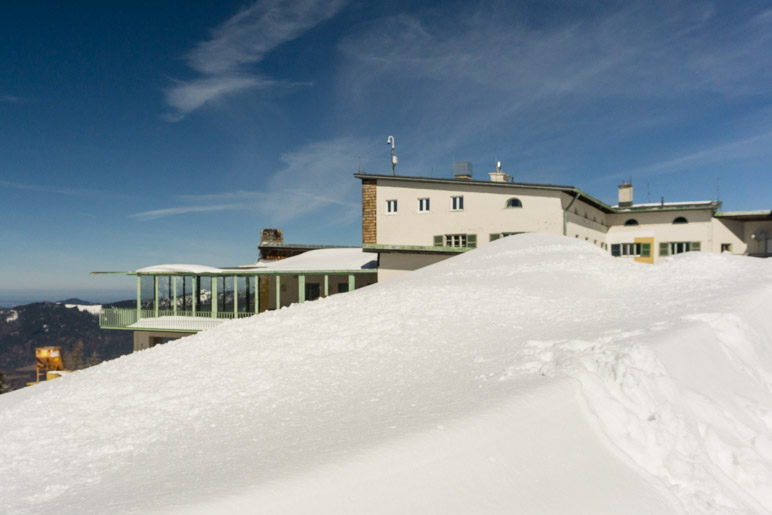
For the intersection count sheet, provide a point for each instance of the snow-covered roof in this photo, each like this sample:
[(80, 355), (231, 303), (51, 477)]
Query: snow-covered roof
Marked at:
[(179, 269), (324, 259), (335, 259), (652, 205)]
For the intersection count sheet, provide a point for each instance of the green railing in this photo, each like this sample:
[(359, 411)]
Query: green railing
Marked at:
[(167, 320)]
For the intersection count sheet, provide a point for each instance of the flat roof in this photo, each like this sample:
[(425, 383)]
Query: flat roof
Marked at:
[(336, 260), (570, 190), (747, 216)]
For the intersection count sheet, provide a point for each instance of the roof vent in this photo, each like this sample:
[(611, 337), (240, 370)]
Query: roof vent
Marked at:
[(499, 175), (462, 170)]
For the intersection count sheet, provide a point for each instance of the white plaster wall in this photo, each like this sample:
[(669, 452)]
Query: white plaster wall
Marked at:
[(659, 225), (395, 264), (485, 212), (729, 231), (753, 246)]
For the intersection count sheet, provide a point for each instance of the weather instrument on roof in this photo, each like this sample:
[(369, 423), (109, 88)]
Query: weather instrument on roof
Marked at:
[(390, 140)]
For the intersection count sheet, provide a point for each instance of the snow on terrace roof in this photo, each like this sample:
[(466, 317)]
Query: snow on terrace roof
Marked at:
[(336, 259), (324, 259), (654, 205), (179, 269)]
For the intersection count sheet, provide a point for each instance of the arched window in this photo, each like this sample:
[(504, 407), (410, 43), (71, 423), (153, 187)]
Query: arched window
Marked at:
[(631, 221), (680, 220), (514, 202)]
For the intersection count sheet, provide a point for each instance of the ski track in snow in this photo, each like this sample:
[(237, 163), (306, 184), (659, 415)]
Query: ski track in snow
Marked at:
[(673, 364)]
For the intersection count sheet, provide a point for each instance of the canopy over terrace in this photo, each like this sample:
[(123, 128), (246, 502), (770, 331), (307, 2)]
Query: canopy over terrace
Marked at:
[(190, 298)]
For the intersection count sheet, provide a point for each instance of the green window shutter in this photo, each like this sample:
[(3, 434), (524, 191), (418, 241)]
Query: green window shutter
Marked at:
[(494, 236), (438, 241), (616, 250), (663, 249), (471, 241), (695, 246), (645, 249)]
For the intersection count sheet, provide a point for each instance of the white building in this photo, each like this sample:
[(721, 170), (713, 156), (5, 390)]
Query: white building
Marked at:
[(412, 222)]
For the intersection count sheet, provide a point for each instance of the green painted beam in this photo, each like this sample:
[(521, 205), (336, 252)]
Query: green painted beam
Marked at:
[(278, 291), (194, 293), (351, 283), (301, 288), (326, 285), (174, 295), (139, 293)]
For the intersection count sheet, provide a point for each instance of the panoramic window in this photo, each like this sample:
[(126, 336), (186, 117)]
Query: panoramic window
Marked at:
[(423, 205), (680, 220), (455, 240), (514, 202), (631, 249), (631, 221), (391, 206), (678, 247), (457, 203)]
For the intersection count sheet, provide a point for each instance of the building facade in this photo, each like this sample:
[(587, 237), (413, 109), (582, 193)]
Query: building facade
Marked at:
[(412, 222)]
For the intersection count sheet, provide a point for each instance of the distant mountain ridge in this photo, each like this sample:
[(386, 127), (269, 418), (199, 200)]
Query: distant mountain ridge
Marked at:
[(41, 324)]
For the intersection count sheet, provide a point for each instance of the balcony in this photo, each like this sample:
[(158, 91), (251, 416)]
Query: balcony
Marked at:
[(171, 321)]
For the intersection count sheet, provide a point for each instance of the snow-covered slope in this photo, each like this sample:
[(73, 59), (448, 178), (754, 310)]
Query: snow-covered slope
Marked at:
[(533, 375)]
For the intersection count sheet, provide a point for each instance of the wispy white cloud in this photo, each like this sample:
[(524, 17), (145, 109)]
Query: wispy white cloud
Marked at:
[(719, 153), (489, 76), (58, 190), (316, 180), (10, 99), (224, 62)]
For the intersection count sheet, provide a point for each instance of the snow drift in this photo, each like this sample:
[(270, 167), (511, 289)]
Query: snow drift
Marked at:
[(533, 375)]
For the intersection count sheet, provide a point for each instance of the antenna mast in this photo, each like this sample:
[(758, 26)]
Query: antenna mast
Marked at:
[(390, 140)]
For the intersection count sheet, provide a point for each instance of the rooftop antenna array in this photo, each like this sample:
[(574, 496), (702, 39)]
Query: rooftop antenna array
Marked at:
[(390, 140)]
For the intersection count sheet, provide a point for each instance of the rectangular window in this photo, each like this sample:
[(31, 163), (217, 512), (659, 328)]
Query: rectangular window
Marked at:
[(455, 240), (631, 249), (423, 205), (726, 247), (312, 291), (679, 247), (391, 206), (664, 249), (457, 203), (342, 287)]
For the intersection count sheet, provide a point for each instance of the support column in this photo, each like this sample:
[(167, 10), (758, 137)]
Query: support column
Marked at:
[(214, 296), (351, 282), (139, 295), (326, 285), (235, 296), (174, 294), (155, 295), (278, 291), (257, 294), (301, 288), (194, 294)]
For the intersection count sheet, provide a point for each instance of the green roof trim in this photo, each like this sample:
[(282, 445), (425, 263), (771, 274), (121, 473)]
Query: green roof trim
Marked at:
[(369, 247)]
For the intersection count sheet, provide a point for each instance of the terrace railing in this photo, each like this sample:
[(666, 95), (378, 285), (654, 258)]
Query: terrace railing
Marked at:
[(166, 320)]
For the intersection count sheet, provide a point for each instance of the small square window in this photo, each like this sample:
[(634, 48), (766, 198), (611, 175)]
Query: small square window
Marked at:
[(391, 206), (423, 205), (726, 247), (457, 203)]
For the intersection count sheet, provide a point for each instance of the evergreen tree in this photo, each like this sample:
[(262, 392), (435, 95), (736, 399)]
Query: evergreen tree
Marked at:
[(4, 387)]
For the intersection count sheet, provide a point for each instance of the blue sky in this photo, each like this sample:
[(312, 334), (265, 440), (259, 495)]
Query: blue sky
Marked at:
[(139, 133)]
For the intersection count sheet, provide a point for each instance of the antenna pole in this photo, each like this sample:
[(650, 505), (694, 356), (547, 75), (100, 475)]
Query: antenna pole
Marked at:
[(390, 140)]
